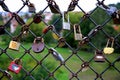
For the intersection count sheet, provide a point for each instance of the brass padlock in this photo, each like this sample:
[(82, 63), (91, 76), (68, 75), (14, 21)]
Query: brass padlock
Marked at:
[(77, 32), (31, 8), (109, 50), (99, 56), (38, 45), (55, 36), (66, 25), (61, 42), (2, 30), (14, 44)]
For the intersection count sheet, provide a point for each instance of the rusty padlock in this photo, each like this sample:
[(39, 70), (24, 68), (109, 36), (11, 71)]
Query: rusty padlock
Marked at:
[(31, 8), (53, 6), (15, 66), (47, 29), (37, 18), (38, 45), (77, 32), (14, 44), (2, 30), (99, 56)]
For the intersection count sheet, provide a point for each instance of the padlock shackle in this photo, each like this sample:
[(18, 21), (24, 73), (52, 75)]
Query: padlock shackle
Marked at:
[(109, 42)]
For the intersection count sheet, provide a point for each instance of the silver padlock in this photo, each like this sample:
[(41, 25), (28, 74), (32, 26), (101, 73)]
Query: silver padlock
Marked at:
[(14, 45), (77, 32), (66, 25)]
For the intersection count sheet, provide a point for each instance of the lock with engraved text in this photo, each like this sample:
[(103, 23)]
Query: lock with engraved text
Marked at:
[(31, 8), (56, 55), (99, 56), (2, 30), (53, 6), (66, 25), (109, 50), (37, 18), (14, 44), (38, 45), (15, 66), (77, 32), (85, 66)]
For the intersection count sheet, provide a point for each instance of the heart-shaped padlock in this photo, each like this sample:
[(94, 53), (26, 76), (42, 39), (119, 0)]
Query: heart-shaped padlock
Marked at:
[(109, 50), (38, 45)]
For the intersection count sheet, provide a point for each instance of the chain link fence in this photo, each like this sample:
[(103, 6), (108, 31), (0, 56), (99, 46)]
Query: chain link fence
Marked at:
[(20, 61)]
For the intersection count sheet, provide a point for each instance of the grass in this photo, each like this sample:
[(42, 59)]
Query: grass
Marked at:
[(73, 63)]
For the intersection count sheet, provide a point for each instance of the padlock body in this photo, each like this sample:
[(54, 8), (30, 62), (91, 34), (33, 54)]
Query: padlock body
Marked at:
[(14, 45), (108, 50), (14, 67), (31, 9), (78, 36), (66, 25), (99, 58)]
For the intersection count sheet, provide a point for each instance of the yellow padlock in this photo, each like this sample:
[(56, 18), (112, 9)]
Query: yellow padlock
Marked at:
[(55, 36), (109, 50), (14, 45)]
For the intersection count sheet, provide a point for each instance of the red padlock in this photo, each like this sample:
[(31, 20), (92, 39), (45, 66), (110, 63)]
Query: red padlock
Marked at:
[(15, 66)]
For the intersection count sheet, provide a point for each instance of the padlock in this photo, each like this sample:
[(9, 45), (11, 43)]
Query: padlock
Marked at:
[(2, 30), (77, 32), (31, 8), (56, 55), (66, 25), (18, 18), (38, 45), (15, 66), (55, 36), (99, 57), (37, 18), (109, 50), (85, 66), (47, 29), (25, 29), (72, 5), (53, 6), (14, 45), (4, 6), (61, 42), (116, 17)]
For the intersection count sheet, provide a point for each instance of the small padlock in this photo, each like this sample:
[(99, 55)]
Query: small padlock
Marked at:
[(2, 30), (109, 50), (55, 36), (53, 6), (47, 29), (66, 25), (77, 32), (15, 66), (99, 57), (31, 8), (61, 42), (37, 18), (38, 45), (72, 5), (85, 66), (25, 29), (14, 44), (56, 55)]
